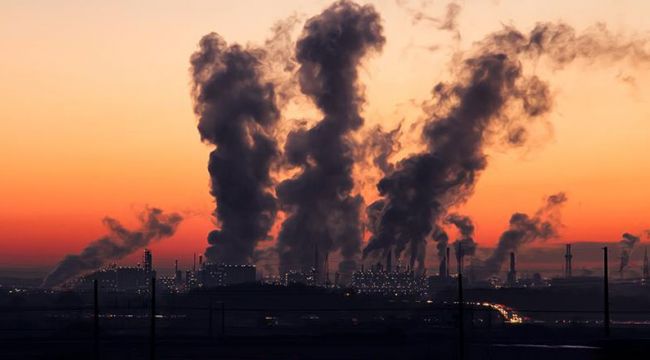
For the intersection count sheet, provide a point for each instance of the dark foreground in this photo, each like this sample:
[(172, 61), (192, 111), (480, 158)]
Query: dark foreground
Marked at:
[(523, 342), (266, 322)]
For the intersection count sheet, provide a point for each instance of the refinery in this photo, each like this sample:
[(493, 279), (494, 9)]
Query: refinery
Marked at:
[(379, 279)]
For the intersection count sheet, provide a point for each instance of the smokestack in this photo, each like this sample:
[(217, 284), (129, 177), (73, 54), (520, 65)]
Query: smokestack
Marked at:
[(442, 270), (319, 200), (441, 239), (512, 274), (147, 261), (327, 269), (118, 243), (177, 273), (194, 263), (389, 261), (447, 258), (460, 257), (646, 266), (316, 266), (201, 261), (567, 261)]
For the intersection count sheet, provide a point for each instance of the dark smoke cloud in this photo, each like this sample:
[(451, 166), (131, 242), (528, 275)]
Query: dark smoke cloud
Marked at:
[(237, 113), (491, 98), (522, 230), (627, 245), (118, 243), (321, 209)]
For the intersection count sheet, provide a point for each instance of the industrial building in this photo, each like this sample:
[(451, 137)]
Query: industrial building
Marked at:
[(381, 281), (120, 278), (223, 275)]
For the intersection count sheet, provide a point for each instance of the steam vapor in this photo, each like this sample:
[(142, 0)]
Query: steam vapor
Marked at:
[(237, 113), (524, 229), (118, 243), (627, 245), (322, 212)]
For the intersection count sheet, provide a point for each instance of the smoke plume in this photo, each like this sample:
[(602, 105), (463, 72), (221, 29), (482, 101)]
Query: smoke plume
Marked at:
[(322, 211), (423, 186), (627, 245), (118, 243), (491, 99), (466, 229), (380, 145), (237, 113), (524, 229)]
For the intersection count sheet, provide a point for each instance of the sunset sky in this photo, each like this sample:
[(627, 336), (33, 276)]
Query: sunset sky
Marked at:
[(96, 117)]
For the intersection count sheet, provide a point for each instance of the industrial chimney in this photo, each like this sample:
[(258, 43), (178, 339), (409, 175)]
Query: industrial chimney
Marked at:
[(316, 272), (389, 261), (567, 261), (147, 261), (442, 271), (177, 273), (327, 269), (646, 266), (512, 274), (447, 262)]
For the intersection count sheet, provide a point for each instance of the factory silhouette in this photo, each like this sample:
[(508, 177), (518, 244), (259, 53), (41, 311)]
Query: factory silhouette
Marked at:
[(381, 278)]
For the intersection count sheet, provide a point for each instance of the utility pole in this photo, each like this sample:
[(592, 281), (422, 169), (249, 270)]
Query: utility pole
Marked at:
[(461, 323), (96, 319), (210, 318), (152, 323), (567, 262), (223, 319), (605, 291)]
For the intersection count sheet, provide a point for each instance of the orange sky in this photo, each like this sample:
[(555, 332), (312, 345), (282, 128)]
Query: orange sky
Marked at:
[(96, 117)]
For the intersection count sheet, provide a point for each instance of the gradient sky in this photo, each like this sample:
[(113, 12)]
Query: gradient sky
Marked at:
[(96, 117)]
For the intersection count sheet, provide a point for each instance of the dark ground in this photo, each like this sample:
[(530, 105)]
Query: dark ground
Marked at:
[(541, 343)]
